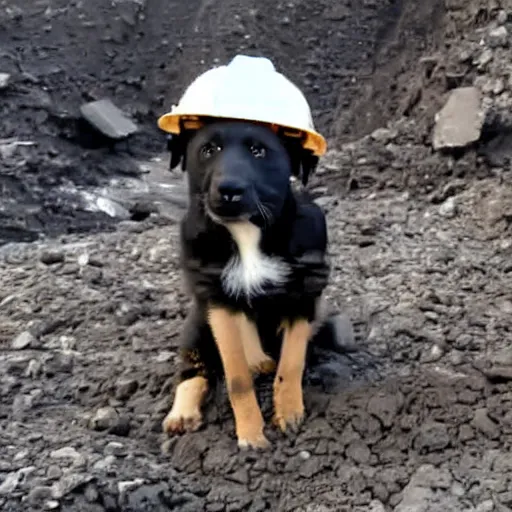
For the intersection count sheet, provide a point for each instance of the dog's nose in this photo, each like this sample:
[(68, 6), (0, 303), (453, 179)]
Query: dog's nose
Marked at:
[(231, 190)]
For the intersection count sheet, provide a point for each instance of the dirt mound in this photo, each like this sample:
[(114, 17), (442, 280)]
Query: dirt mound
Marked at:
[(142, 54), (422, 421)]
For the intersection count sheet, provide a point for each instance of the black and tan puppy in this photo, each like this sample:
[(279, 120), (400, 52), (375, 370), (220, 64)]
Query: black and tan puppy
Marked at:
[(253, 256)]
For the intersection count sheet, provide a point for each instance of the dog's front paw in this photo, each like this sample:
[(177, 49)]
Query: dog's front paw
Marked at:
[(256, 441), (288, 406), (249, 432), (177, 422), (185, 414)]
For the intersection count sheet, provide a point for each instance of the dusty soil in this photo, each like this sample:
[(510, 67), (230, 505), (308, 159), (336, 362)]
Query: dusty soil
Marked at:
[(141, 54), (418, 416)]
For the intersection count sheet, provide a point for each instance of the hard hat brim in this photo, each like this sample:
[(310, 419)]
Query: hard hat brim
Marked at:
[(311, 140)]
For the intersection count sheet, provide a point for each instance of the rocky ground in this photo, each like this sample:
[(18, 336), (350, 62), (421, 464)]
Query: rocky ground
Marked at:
[(418, 192)]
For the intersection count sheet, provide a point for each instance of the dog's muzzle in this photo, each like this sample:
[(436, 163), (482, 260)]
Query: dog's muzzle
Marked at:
[(231, 198)]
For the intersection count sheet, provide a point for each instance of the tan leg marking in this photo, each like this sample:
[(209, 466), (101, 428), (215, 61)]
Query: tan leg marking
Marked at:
[(258, 361), (248, 418), (185, 414), (288, 401)]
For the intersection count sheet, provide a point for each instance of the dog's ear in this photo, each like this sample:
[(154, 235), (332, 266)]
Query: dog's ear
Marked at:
[(309, 163), (303, 162), (177, 147)]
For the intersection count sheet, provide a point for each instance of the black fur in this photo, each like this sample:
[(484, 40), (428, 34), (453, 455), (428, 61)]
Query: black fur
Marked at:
[(296, 232)]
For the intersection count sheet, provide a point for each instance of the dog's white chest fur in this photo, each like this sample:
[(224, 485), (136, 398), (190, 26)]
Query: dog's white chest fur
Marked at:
[(248, 271)]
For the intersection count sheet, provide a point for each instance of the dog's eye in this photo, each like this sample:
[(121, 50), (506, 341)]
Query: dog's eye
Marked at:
[(258, 151), (208, 150)]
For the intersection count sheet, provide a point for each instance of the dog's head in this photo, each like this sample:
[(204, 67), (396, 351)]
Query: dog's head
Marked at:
[(241, 170)]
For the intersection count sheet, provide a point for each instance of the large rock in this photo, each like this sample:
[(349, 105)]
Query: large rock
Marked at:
[(459, 123), (108, 119)]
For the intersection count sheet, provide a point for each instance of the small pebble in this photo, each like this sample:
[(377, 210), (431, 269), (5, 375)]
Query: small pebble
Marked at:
[(499, 86), (502, 17), (457, 489), (498, 37), (376, 506), (104, 418), (158, 254), (10, 483), (384, 135), (484, 58), (105, 463), (448, 209), (51, 257), (325, 201), (21, 455), (83, 259), (164, 356), (67, 342), (456, 357), (125, 388), (122, 487), (114, 448), (34, 369), (23, 340), (434, 354), (135, 254), (7, 300), (4, 80), (67, 452)]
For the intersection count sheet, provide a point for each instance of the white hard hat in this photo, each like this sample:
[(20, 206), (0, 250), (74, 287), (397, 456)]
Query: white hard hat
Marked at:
[(248, 88)]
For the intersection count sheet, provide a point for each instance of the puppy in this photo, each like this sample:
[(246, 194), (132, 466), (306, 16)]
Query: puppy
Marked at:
[(253, 254)]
